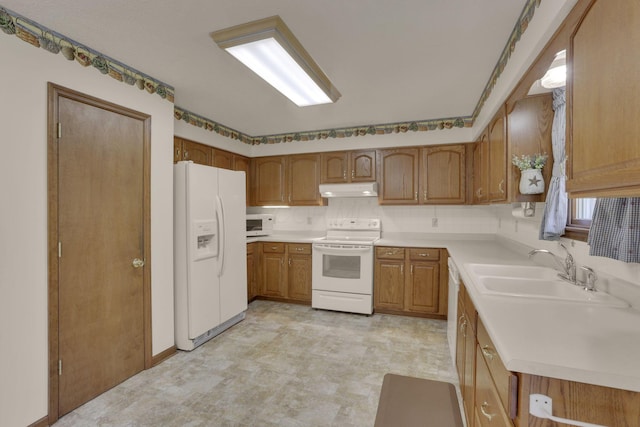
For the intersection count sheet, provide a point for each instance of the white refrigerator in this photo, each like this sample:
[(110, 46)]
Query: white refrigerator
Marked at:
[(209, 252)]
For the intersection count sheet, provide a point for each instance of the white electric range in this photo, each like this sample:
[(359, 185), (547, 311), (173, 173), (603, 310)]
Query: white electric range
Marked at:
[(342, 271)]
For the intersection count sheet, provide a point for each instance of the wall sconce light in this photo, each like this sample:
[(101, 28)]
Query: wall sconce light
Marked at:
[(270, 50), (556, 75)]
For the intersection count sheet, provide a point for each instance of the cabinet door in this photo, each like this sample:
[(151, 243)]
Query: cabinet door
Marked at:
[(363, 166), (177, 149), (252, 290), (602, 102), (468, 391), (243, 164), (480, 169), (442, 174), (334, 167), (222, 159), (399, 176), (299, 277), (389, 279), (269, 177), (498, 158), (273, 275), (198, 153), (423, 286), (304, 180), (487, 401)]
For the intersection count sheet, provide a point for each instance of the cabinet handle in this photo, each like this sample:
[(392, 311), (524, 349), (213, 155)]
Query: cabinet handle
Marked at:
[(488, 353), (344, 174), (483, 409), (425, 195), (389, 253), (426, 254), (289, 262), (415, 197), (353, 173), (501, 186), (274, 247), (177, 152), (402, 269), (186, 154), (412, 269), (299, 249), (479, 192), (463, 326)]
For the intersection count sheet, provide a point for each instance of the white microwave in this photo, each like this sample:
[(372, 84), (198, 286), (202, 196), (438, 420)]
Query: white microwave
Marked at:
[(259, 224)]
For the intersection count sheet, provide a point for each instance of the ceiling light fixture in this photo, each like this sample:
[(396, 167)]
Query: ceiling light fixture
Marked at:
[(270, 50), (556, 75)]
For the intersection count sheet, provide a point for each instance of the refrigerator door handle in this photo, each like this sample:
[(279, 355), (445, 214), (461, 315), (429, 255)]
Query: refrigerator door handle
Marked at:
[(221, 236)]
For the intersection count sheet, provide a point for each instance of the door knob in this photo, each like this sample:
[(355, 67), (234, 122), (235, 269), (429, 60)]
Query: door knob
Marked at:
[(137, 262)]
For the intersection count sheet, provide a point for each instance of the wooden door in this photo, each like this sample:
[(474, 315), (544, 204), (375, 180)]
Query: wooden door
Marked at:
[(422, 289), (399, 176), (334, 167), (497, 191), (269, 178), (198, 153), (222, 159), (363, 165), (98, 241), (304, 180), (442, 175)]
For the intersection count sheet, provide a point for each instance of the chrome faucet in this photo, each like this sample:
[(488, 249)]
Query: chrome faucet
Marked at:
[(591, 279), (568, 266)]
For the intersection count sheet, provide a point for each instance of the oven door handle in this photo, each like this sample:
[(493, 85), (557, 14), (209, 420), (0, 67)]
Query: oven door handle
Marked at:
[(332, 250)]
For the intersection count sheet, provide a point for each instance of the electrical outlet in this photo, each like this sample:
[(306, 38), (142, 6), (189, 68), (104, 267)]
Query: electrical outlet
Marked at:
[(434, 222)]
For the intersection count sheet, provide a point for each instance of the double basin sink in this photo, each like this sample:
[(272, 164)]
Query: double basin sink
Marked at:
[(525, 281)]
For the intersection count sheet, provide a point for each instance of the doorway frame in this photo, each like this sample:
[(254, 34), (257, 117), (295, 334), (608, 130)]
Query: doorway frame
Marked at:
[(54, 92)]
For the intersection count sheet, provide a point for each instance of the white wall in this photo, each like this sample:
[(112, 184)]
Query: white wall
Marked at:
[(525, 230), (203, 136), (25, 71)]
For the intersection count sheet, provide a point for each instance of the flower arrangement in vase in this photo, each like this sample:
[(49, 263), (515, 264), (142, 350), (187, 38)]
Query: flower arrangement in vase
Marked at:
[(531, 180)]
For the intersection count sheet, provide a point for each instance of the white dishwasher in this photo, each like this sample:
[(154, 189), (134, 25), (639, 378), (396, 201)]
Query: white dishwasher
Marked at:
[(452, 313)]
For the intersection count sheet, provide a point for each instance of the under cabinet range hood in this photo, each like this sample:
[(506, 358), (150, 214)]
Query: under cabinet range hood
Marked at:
[(360, 189)]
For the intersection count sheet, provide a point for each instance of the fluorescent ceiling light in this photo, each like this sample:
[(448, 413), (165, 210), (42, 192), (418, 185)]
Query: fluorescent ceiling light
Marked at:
[(556, 75), (270, 50)]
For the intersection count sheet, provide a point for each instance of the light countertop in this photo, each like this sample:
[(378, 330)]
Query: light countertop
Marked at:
[(576, 342)]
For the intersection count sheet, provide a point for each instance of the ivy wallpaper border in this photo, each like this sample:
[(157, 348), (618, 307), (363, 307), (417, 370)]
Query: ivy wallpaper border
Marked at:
[(344, 132), (37, 35)]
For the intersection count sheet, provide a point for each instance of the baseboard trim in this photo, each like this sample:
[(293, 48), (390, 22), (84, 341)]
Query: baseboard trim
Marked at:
[(42, 422), (164, 355)]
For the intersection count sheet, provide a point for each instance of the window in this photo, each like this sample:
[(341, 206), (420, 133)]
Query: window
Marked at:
[(579, 218)]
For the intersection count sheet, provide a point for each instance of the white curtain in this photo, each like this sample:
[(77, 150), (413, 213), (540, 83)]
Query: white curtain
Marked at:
[(554, 218)]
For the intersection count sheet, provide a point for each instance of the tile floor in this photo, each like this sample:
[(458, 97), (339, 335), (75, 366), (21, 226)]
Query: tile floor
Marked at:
[(284, 365)]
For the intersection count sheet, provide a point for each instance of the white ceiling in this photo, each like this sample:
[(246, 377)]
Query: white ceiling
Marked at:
[(392, 60)]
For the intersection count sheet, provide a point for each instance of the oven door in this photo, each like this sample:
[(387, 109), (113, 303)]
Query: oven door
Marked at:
[(342, 268)]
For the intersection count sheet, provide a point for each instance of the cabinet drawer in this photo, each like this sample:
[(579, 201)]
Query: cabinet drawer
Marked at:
[(299, 248), (506, 382), (488, 407), (418, 254), (273, 247), (389, 253)]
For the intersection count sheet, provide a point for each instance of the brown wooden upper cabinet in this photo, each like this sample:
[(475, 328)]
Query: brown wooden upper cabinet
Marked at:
[(442, 174), (269, 177), (348, 166), (222, 159), (480, 169), (183, 149), (398, 176), (603, 101), (304, 180), (497, 182), (426, 175), (286, 180), (241, 163)]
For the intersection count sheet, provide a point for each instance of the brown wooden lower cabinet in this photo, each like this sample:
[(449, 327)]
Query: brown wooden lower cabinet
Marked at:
[(410, 281), (493, 396), (285, 272), (252, 280)]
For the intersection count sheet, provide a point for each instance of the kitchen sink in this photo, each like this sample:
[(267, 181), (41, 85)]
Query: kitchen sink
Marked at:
[(534, 282)]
